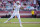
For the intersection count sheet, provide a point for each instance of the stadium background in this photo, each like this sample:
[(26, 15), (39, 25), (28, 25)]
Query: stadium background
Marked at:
[(6, 7)]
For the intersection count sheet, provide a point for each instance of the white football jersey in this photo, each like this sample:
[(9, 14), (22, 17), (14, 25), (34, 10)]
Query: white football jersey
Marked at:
[(17, 7)]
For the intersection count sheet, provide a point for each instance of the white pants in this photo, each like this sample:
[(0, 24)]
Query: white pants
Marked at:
[(15, 14)]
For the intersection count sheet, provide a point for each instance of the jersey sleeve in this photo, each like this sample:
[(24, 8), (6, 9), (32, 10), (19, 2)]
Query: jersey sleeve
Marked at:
[(19, 6)]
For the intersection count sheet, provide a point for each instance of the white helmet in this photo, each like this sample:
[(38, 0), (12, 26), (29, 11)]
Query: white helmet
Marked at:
[(17, 1)]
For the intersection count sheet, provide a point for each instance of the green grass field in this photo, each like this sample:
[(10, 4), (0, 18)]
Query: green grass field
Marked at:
[(17, 25)]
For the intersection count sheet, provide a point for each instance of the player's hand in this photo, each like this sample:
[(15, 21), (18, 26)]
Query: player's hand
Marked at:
[(22, 8)]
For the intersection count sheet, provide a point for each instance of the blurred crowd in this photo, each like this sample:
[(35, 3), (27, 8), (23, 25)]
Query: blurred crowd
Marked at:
[(7, 5)]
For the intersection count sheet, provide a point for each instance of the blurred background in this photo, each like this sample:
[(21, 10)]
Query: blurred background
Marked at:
[(31, 8), (30, 14)]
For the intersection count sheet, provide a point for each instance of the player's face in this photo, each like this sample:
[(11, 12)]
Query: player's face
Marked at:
[(17, 3)]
